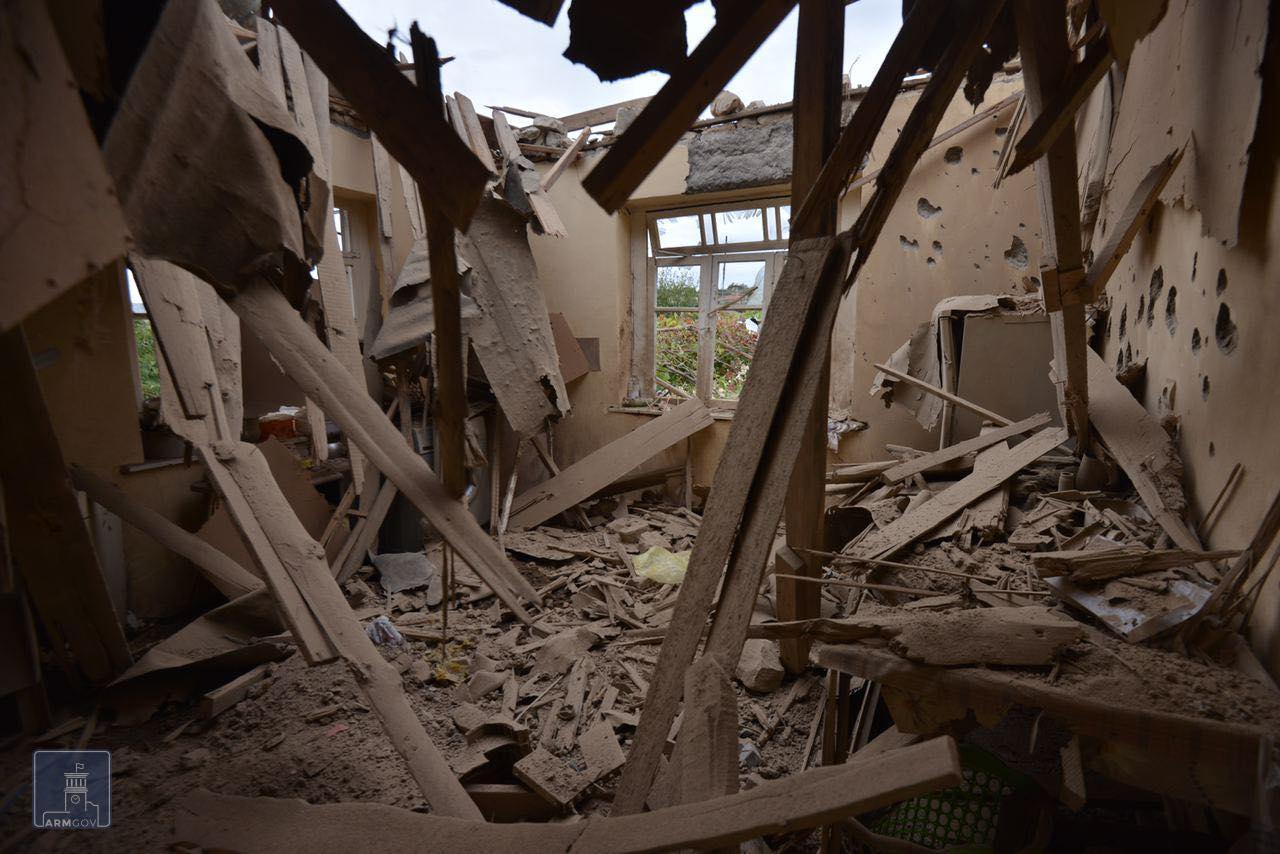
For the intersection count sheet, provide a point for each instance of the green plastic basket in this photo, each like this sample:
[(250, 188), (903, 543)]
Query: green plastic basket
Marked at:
[(962, 818)]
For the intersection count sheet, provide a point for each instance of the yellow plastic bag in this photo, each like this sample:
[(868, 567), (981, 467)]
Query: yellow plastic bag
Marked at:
[(662, 566)]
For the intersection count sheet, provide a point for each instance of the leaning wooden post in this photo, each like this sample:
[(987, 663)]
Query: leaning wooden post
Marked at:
[(819, 91)]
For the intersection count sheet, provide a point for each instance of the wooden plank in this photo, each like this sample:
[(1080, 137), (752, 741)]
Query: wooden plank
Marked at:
[(448, 174), (340, 322), (1194, 758), (742, 513), (48, 540), (819, 93), (959, 401), (470, 121), (566, 160), (739, 30), (217, 701), (1097, 564), (446, 298), (243, 477), (914, 523), (922, 464), (1059, 112), (1143, 449), (305, 627), (1126, 229), (810, 265), (229, 577), (1042, 41), (597, 115), (171, 300), (549, 463), (266, 313), (364, 533), (543, 211), (856, 139), (816, 797), (580, 480)]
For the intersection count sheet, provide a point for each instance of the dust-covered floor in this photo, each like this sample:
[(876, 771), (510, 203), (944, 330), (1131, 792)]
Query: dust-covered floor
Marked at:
[(305, 732)]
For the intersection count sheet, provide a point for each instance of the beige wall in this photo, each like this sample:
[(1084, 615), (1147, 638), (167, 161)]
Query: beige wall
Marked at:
[(1227, 403), (899, 287)]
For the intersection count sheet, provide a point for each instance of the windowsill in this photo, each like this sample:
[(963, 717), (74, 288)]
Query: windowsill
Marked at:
[(653, 411)]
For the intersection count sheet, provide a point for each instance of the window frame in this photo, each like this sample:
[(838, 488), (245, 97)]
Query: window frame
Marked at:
[(708, 256)]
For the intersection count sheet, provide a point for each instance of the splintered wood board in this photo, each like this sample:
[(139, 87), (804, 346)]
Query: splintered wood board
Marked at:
[(581, 480), (816, 797), (906, 528)]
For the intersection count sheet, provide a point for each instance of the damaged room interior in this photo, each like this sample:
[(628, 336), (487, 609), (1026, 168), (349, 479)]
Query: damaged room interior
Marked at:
[(874, 462)]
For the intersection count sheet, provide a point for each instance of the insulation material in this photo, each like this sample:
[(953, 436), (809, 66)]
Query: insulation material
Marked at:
[(57, 224), (190, 144), (512, 336), (1194, 80)]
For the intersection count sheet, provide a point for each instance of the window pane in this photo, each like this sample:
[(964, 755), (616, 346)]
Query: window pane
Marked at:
[(771, 222), (679, 231), (736, 278), (785, 210), (339, 230), (676, 352), (678, 286), (736, 335), (739, 226)]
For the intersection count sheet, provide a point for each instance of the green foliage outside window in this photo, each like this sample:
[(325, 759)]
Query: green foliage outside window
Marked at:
[(148, 362)]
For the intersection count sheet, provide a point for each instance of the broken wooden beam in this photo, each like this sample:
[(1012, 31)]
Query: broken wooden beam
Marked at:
[(448, 174), (243, 478), (1126, 228), (925, 517), (566, 160), (1193, 758), (856, 139), (581, 480), (959, 401), (446, 296), (229, 577), (1014, 636), (217, 701), (48, 540), (363, 534), (1059, 112), (921, 464), (816, 797), (741, 27), (1101, 564), (743, 510), (816, 119), (1144, 451), (1042, 42), (266, 312)]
